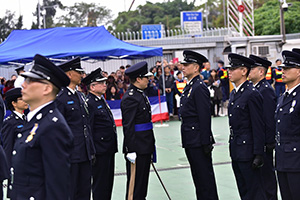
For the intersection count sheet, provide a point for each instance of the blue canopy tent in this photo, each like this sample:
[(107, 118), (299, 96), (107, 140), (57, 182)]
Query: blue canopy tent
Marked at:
[(89, 42)]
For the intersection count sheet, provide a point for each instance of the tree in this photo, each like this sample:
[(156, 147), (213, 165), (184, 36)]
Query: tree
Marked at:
[(9, 23), (49, 9), (167, 13), (267, 18), (84, 14)]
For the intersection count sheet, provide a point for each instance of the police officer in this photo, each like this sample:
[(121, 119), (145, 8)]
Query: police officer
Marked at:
[(258, 77), (196, 131), (288, 129), (73, 107), (13, 124), (139, 139), (41, 155), (247, 131), (104, 135), (4, 171)]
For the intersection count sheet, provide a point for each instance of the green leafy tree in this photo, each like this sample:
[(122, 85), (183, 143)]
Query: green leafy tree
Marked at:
[(84, 14), (267, 18), (167, 13), (9, 23)]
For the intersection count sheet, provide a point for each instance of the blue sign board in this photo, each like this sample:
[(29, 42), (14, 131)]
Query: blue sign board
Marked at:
[(191, 19), (152, 31)]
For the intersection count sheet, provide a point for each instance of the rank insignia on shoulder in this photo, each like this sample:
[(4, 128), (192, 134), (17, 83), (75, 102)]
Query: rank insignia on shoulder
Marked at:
[(70, 102), (54, 119), (32, 133)]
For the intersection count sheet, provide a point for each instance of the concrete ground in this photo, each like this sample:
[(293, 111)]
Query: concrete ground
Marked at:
[(173, 166)]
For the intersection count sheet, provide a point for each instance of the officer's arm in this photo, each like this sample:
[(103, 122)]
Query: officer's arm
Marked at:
[(59, 103), (256, 114), (129, 108), (202, 102), (56, 144), (269, 106), (8, 137)]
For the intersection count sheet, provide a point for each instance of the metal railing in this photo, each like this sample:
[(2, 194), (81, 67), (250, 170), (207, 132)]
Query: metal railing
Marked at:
[(173, 33)]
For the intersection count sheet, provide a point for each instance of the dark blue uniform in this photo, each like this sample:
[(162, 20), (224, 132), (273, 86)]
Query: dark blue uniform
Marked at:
[(247, 139), (139, 138), (74, 108), (105, 139), (196, 134), (269, 106), (11, 130), (41, 158), (287, 154), (4, 172)]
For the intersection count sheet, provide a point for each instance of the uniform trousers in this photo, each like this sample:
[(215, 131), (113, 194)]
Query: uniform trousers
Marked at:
[(202, 173), (81, 180), (289, 185), (269, 177), (103, 176), (137, 177), (249, 181)]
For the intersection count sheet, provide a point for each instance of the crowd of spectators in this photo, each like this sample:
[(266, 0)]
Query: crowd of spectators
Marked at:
[(174, 82)]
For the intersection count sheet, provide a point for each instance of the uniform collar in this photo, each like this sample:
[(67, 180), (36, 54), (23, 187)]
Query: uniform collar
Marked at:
[(71, 90), (136, 88), (32, 113), (18, 114), (259, 83), (292, 89), (240, 86), (190, 82)]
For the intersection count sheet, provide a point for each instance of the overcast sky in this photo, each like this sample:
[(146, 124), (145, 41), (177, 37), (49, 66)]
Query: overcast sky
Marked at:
[(27, 7)]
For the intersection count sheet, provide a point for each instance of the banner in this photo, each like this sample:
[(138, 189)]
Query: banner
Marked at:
[(159, 111)]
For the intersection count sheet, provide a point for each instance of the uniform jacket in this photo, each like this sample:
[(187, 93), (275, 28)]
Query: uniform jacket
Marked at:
[(11, 129), (136, 110), (287, 118), (74, 108), (102, 125), (247, 132), (4, 172), (195, 113), (41, 158), (269, 107)]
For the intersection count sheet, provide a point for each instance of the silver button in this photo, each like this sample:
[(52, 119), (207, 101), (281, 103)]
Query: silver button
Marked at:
[(144, 108), (193, 127), (294, 149), (82, 115), (72, 108), (11, 169), (278, 121), (10, 187), (238, 106), (244, 141), (19, 135), (14, 152), (181, 104), (230, 115), (50, 111), (231, 103), (102, 138), (280, 109), (31, 198)]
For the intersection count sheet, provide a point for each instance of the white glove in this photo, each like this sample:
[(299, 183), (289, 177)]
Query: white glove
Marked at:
[(131, 157)]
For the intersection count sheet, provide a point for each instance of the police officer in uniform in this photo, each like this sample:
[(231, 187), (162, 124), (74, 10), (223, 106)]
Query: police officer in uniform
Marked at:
[(104, 135), (139, 139), (247, 131), (258, 77), (196, 134), (4, 171), (41, 155), (287, 120), (13, 124), (73, 107)]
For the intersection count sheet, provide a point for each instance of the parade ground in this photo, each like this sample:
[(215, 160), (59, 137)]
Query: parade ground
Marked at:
[(173, 166)]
